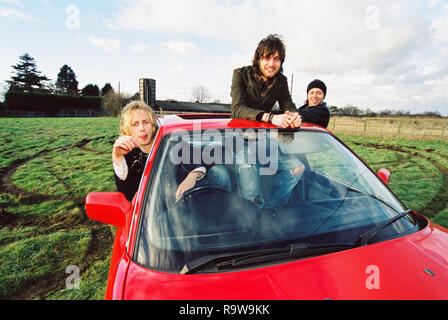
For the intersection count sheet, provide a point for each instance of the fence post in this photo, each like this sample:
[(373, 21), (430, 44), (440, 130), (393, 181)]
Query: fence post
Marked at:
[(365, 127), (443, 132), (399, 128)]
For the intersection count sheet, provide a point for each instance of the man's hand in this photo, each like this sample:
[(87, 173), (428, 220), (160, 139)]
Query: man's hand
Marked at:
[(188, 183), (295, 120), (287, 120), (282, 120), (123, 145)]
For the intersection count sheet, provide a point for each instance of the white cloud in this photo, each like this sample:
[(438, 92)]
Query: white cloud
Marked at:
[(46, 2), (12, 13), (387, 54), (139, 48), (106, 44), (321, 36), (15, 2), (181, 47)]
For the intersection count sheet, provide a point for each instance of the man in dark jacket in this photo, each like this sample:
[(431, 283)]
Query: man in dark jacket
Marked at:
[(315, 110), (256, 88)]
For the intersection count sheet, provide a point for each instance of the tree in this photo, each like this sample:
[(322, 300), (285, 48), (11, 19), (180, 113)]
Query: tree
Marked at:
[(350, 110), (66, 82), (91, 90), (334, 110), (200, 94), (107, 87), (432, 114), (113, 102), (370, 113), (27, 78), (4, 88)]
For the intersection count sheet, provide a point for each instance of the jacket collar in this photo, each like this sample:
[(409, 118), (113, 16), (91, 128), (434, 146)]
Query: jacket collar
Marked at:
[(323, 104), (255, 84)]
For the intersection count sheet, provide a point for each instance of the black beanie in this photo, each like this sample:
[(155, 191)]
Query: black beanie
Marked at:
[(317, 84)]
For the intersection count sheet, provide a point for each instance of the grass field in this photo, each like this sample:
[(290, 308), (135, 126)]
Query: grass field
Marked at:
[(48, 165)]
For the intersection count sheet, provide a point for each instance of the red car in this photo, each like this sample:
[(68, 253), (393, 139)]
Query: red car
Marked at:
[(340, 234)]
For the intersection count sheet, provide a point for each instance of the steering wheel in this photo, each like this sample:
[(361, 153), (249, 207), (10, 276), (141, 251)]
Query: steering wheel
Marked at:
[(195, 191)]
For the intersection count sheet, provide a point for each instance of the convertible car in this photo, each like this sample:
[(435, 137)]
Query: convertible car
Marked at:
[(328, 226)]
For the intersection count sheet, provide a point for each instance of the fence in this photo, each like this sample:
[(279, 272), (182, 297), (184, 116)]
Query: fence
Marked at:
[(82, 113), (61, 113), (165, 113), (409, 128)]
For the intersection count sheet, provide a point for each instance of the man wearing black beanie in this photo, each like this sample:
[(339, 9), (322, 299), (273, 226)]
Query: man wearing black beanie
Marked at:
[(315, 110)]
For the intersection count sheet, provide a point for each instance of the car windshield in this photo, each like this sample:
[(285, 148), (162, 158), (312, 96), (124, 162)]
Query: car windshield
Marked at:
[(262, 189)]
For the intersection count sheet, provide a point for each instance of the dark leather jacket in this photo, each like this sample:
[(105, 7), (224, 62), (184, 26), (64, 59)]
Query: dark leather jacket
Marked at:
[(319, 115)]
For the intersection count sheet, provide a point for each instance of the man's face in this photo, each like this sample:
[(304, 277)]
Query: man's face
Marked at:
[(315, 97), (270, 66)]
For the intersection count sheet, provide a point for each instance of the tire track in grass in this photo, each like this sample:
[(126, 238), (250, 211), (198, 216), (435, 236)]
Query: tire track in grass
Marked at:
[(101, 235), (6, 186), (440, 201)]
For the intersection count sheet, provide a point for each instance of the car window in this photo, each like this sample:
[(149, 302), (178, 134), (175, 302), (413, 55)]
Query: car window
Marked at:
[(263, 188)]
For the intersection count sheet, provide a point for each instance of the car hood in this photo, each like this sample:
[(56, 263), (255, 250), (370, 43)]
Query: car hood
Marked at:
[(411, 267)]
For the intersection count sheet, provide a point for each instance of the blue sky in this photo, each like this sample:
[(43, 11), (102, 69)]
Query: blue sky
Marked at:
[(374, 54)]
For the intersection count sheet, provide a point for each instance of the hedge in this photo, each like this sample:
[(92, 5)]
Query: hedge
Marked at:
[(50, 103)]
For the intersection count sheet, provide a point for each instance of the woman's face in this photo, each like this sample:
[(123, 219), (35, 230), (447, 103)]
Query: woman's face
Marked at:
[(315, 97), (141, 127)]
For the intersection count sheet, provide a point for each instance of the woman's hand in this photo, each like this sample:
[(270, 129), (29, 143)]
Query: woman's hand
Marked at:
[(188, 183), (123, 145)]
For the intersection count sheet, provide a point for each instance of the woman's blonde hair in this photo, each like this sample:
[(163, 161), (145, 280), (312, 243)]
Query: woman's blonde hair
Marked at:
[(126, 115)]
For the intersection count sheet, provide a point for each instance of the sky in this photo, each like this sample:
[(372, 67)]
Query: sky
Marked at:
[(375, 54)]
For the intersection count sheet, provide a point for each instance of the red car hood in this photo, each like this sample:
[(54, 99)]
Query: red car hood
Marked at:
[(411, 267)]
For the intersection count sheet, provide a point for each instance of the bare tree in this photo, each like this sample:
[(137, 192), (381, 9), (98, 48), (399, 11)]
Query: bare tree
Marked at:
[(200, 94), (114, 102)]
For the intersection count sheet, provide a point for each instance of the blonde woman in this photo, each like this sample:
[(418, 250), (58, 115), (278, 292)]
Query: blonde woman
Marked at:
[(130, 151)]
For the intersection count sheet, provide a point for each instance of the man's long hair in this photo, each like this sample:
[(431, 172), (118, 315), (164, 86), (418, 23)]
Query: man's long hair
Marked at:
[(266, 48)]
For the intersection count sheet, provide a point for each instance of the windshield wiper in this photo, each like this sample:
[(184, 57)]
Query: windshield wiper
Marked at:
[(197, 264), (255, 256), (299, 250), (295, 250), (371, 195), (367, 236)]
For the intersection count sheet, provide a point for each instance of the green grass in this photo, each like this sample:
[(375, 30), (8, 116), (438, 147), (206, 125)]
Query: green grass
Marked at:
[(419, 170), (29, 260), (51, 164)]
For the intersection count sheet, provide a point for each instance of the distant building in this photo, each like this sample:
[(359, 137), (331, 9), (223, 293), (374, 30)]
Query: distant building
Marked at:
[(147, 89), (176, 106)]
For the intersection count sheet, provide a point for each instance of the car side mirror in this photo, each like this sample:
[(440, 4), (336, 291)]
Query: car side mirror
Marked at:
[(107, 207), (384, 175)]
